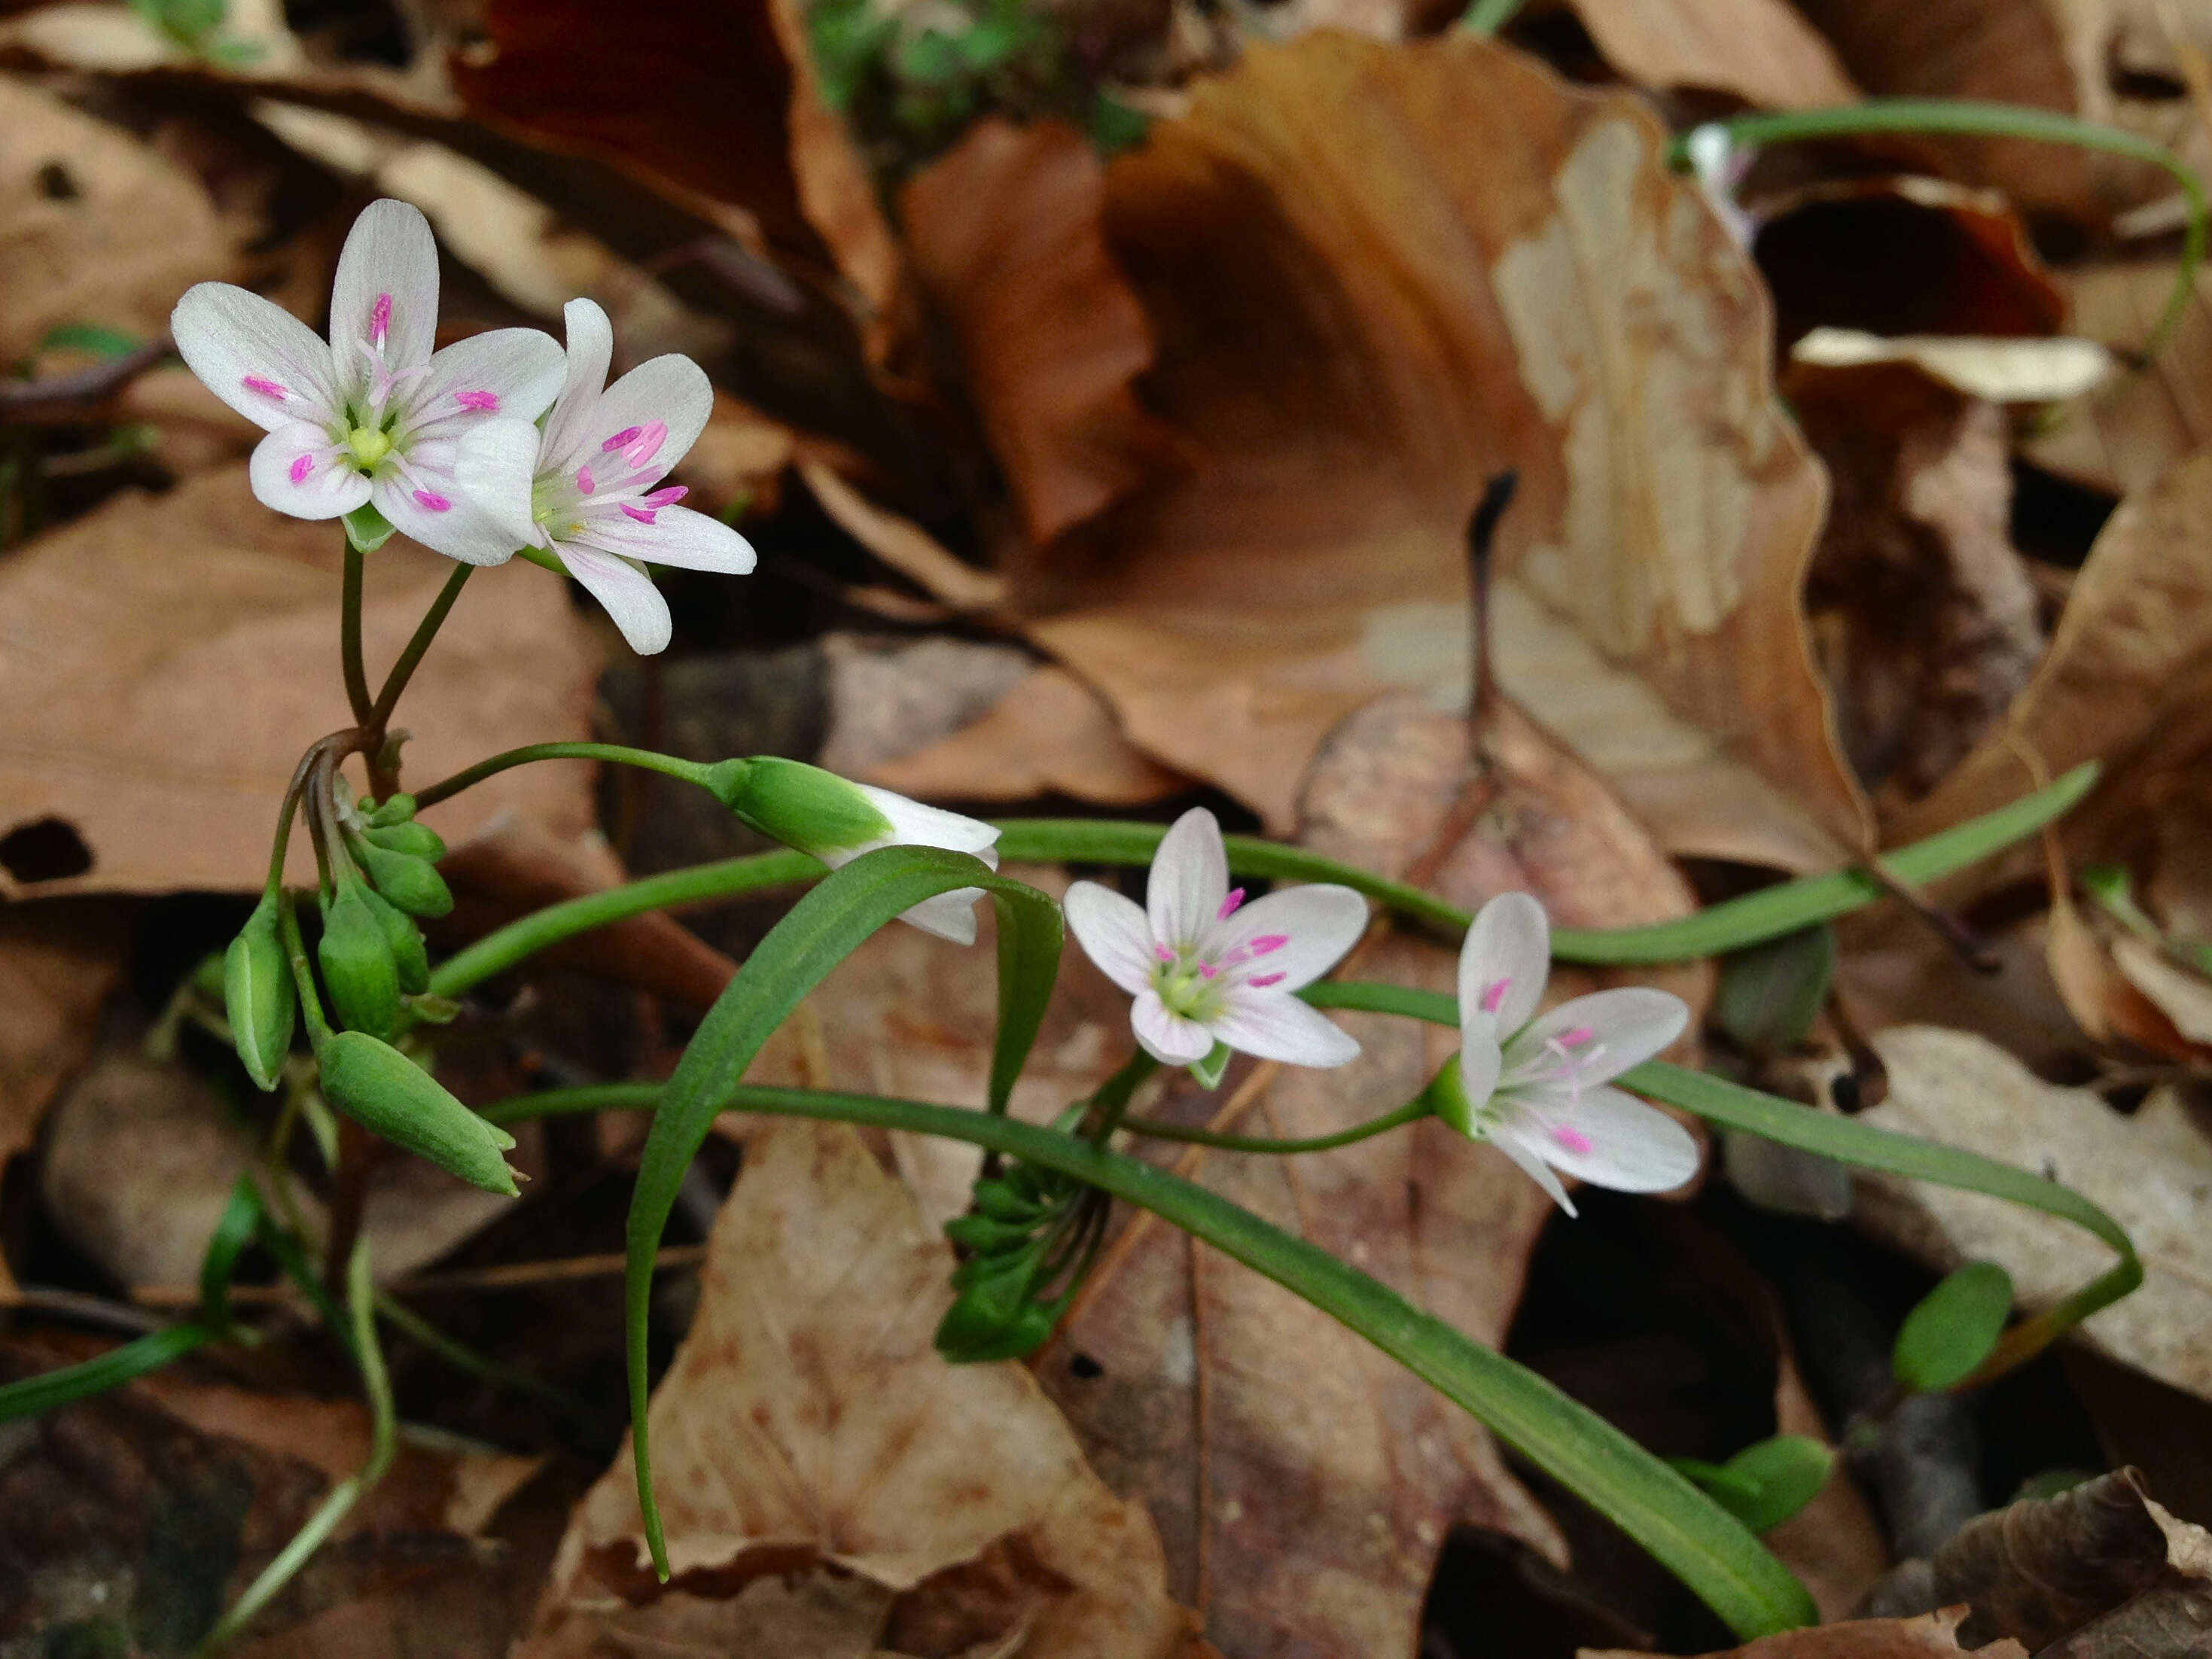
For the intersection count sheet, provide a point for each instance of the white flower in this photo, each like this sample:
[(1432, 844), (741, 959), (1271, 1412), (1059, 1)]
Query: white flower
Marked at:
[(373, 417), (587, 488), (1720, 167), (949, 916), (1537, 1086), (1204, 967)]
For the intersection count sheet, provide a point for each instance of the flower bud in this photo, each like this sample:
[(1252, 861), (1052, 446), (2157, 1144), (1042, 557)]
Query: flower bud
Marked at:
[(259, 996), (385, 1092), (410, 959), (396, 808), (416, 839), (413, 884), (800, 806), (357, 964)]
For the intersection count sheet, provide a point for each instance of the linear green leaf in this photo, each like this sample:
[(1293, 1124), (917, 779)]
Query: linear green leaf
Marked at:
[(821, 931), (49, 1389), (1029, 967)]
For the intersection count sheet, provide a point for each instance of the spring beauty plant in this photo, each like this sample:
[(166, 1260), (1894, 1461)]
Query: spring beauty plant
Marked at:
[(512, 443)]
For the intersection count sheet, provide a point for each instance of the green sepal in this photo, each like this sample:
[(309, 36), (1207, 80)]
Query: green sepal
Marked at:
[(258, 996), (413, 884), (1208, 1072), (800, 806), (410, 958), (367, 528), (433, 1010), (965, 1338), (981, 1233), (415, 839), (357, 964), (388, 1094), (1447, 1095), (396, 808), (1000, 1201)]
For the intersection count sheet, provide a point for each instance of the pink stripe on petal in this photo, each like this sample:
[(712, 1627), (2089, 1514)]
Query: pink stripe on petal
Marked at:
[(1493, 998), (642, 514), (1229, 905), (432, 501), (1267, 943), (584, 481), (1266, 980), (301, 467), (1573, 1139), (486, 401), (667, 497), (379, 318), (628, 434), (267, 388)]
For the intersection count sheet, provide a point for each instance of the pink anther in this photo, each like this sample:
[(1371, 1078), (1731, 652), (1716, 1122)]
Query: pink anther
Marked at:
[(647, 444), (379, 318), (1229, 905), (1268, 943), (642, 514), (432, 501), (485, 402), (1207, 970), (1494, 995), (301, 467), (585, 481), (1264, 980), (267, 388), (628, 434), (667, 497), (1577, 1037), (1163, 953), (1573, 1139)]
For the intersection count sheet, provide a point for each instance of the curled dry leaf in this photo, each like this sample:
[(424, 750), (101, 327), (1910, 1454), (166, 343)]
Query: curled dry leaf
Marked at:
[(165, 660), (2122, 438), (1932, 1636), (1377, 276), (807, 1431), (95, 226), (1004, 234), (2150, 1172), (2137, 621), (1303, 1508), (1761, 50)]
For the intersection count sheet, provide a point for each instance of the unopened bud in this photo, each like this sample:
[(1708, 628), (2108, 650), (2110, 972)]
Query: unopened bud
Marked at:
[(413, 884), (800, 806), (357, 965), (385, 1092), (397, 808), (416, 839), (259, 997), (411, 958)]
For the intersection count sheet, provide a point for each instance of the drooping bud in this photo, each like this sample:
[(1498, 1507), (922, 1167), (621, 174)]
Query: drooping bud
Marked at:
[(357, 964), (385, 1092), (397, 808), (259, 996), (800, 806), (413, 884), (416, 839), (410, 958)]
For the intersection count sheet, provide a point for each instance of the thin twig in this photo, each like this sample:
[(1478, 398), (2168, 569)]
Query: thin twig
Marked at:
[(76, 393)]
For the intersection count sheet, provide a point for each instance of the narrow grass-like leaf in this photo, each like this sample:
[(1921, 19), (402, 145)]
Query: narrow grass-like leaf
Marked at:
[(821, 931), (49, 1389), (1029, 967)]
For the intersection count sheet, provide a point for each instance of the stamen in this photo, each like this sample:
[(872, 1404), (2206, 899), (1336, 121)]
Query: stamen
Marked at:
[(1268, 943), (647, 444), (1264, 980), (267, 388), (432, 501), (642, 514), (584, 481), (1494, 995), (1207, 970), (1577, 1037), (1573, 1139), (667, 497), (301, 467), (628, 434), (1163, 953), (488, 402), (380, 319), (1229, 905)]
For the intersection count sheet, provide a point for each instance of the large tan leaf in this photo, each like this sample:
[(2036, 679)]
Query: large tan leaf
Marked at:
[(2137, 619), (1303, 1505), (1376, 275), (808, 1427), (1759, 50), (2150, 1171), (165, 660), (94, 226), (2124, 434)]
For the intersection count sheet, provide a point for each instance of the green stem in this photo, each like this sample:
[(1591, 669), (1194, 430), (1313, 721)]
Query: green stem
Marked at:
[(1755, 917), (384, 1443), (356, 675), (1412, 1112), (303, 976), (425, 631), (1488, 16), (1111, 1102), (1971, 119), (615, 753)]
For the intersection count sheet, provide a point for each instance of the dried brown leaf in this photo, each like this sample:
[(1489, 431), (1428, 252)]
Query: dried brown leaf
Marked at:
[(2124, 436), (807, 1421), (165, 660), (1759, 50), (1377, 276), (1932, 1636)]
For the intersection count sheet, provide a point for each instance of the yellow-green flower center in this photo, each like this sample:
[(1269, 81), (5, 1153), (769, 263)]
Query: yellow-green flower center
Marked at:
[(369, 445)]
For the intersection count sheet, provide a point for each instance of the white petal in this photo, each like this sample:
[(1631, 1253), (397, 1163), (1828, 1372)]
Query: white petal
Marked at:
[(1481, 1059), (1112, 932), (504, 373), (949, 916), (1508, 1140), (1505, 961), (677, 536), (323, 489), (1299, 933), (1189, 881), (1275, 1025), (229, 337), (1627, 1027), (1611, 1139), (672, 390), (628, 595), (591, 349), (391, 250), (426, 504), (915, 824), (1169, 1038), (495, 469)]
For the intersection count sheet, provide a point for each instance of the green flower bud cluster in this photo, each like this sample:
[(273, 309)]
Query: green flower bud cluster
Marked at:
[(1030, 1230), (372, 952)]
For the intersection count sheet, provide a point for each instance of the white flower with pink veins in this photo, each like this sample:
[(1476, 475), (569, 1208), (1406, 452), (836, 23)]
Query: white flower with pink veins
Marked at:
[(1538, 1086), (1204, 967), (587, 488), (374, 416)]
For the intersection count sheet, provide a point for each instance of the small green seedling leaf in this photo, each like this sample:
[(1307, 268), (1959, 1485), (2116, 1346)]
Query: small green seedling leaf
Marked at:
[(1947, 1336), (1770, 993), (1767, 1482)]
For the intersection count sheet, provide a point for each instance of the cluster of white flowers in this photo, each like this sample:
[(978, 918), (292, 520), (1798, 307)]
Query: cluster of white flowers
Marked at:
[(498, 442)]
